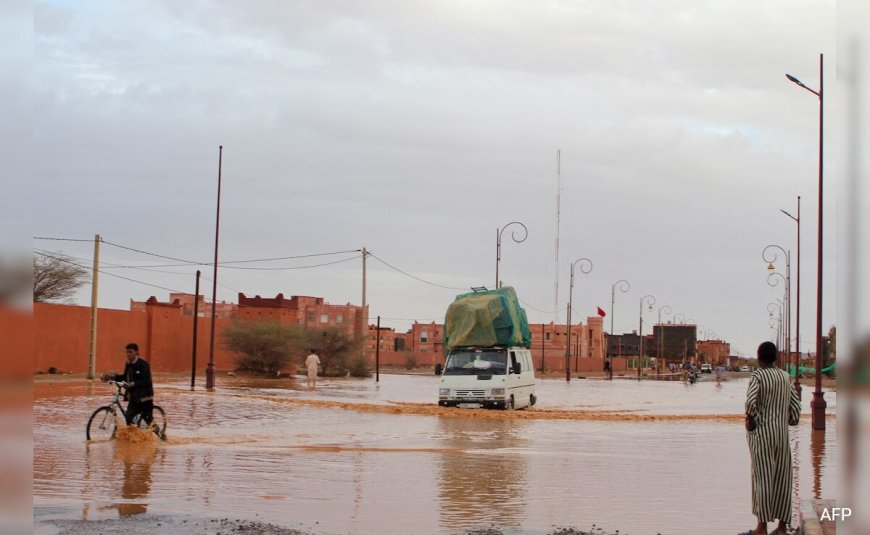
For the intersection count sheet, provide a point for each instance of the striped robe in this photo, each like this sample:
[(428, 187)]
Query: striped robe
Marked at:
[(773, 403)]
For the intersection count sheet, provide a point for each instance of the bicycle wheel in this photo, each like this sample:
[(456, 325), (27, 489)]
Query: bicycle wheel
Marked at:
[(101, 424), (158, 422)]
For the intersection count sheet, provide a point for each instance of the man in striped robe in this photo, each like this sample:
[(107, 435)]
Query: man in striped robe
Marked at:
[(772, 405)]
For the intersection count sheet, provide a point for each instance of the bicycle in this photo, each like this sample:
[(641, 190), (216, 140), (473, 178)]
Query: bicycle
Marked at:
[(102, 424)]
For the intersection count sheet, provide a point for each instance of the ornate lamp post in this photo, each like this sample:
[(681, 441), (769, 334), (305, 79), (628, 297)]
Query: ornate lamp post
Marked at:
[(818, 403), (770, 255), (797, 311), (498, 234), (771, 307), (650, 301), (585, 267), (623, 286)]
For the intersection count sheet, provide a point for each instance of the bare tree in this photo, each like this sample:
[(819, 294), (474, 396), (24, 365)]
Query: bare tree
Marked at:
[(56, 277)]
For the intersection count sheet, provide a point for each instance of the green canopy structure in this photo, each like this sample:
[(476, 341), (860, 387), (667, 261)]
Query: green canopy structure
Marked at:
[(807, 370)]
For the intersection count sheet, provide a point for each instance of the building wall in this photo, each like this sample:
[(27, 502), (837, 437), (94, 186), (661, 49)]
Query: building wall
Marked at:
[(164, 334), (715, 352)]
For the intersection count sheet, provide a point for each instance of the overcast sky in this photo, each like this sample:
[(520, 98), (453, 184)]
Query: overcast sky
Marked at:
[(418, 129)]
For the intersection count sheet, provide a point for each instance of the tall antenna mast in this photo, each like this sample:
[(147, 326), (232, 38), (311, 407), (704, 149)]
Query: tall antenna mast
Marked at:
[(558, 223)]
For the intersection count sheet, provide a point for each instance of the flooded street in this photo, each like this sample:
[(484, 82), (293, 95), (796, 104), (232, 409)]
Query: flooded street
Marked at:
[(361, 457)]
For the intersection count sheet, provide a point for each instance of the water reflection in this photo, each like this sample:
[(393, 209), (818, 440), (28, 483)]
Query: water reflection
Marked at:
[(137, 460), (480, 474), (817, 447), (130, 462)]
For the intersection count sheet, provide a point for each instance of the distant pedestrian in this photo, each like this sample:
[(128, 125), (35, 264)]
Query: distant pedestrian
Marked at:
[(312, 363), (771, 406), (719, 371)]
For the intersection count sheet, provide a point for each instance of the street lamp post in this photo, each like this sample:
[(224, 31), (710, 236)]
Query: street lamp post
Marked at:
[(677, 317), (585, 267), (650, 300), (498, 234), (797, 312), (623, 286), (818, 403), (209, 369), (659, 348), (778, 308), (785, 339), (769, 255)]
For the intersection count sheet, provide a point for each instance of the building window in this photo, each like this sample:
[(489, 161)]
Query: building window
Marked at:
[(339, 318), (546, 336), (424, 337), (324, 318), (309, 317)]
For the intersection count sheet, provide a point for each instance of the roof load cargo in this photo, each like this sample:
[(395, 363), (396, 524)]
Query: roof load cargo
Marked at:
[(486, 318)]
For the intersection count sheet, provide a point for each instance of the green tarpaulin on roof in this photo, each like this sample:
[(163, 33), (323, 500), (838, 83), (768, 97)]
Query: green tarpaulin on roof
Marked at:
[(486, 318)]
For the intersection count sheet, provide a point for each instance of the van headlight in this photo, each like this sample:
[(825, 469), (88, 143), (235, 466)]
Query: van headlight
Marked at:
[(443, 391), (497, 391)]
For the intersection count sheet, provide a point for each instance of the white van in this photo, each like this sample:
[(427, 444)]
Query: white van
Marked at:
[(491, 377)]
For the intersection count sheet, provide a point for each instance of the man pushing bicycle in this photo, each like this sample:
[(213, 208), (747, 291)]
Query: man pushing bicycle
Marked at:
[(137, 380)]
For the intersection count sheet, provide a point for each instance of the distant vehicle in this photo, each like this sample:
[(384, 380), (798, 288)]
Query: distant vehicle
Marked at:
[(706, 368), (744, 368)]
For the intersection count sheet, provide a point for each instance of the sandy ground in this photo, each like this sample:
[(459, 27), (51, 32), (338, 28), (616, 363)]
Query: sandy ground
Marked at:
[(194, 526)]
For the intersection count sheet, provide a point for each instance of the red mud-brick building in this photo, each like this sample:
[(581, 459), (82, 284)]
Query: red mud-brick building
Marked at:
[(714, 352), (164, 330)]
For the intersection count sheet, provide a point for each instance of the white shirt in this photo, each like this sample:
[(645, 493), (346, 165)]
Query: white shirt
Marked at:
[(312, 361)]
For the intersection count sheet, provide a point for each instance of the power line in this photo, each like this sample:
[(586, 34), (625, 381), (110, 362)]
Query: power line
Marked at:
[(60, 239), (413, 276), (284, 268), (536, 309), (110, 274), (153, 254)]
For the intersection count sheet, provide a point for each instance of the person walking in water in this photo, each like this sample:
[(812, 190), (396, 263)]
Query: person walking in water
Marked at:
[(312, 363), (772, 405)]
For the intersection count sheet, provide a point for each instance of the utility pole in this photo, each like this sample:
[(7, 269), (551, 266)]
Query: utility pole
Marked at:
[(209, 370), (378, 352), (365, 316), (195, 322), (92, 350)]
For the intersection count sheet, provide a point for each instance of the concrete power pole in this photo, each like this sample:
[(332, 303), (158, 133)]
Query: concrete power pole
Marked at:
[(92, 350), (365, 315)]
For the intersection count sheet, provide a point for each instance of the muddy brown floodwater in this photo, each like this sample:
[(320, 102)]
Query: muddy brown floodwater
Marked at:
[(356, 456)]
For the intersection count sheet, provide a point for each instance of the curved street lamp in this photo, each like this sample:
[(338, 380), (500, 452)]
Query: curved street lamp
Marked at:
[(498, 234), (677, 317), (650, 301), (818, 403), (777, 307), (797, 304), (769, 254), (585, 267), (661, 340), (623, 286)]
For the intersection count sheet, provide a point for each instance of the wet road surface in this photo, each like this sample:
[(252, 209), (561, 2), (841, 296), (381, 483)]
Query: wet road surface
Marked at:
[(356, 456)]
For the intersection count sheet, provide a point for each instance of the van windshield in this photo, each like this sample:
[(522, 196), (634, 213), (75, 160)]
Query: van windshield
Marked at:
[(476, 362)]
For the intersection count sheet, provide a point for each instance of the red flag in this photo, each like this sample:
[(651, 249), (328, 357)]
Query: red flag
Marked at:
[(601, 312)]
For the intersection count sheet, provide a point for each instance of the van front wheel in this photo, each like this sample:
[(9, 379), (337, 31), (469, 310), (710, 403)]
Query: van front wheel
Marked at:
[(509, 404)]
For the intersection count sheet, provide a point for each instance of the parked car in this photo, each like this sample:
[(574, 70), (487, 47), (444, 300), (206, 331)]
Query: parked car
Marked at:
[(744, 368), (706, 368)]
